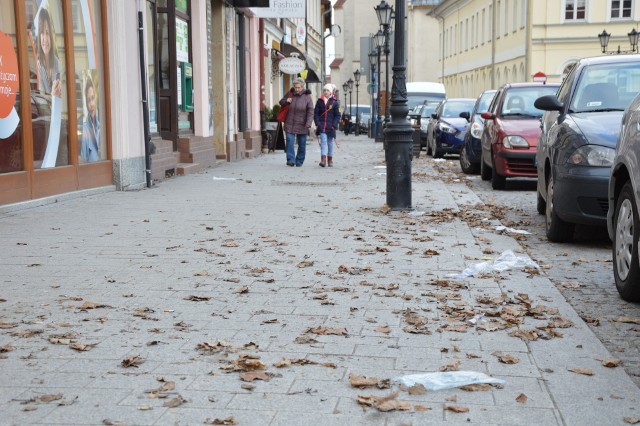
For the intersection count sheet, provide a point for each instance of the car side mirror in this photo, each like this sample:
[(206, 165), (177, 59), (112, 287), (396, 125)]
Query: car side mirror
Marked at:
[(548, 103), (487, 115), (465, 115), (434, 116)]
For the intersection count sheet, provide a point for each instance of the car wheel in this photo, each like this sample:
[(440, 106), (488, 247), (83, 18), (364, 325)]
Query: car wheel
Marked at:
[(541, 205), (625, 246), (485, 171), (466, 165), (558, 230), (497, 180)]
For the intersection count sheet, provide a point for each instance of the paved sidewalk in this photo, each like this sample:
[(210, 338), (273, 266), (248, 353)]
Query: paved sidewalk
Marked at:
[(254, 290)]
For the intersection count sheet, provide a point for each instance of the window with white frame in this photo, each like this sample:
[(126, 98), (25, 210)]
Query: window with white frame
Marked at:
[(483, 25), (498, 17), (490, 32), (506, 17), (574, 10), (621, 9), (473, 29), (477, 28), (466, 34), (515, 15), (461, 40)]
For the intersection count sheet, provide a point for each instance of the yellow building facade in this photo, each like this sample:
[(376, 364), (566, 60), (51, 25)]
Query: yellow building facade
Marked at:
[(484, 44)]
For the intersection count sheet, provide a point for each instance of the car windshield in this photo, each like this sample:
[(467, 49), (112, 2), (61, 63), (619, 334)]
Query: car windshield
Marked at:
[(606, 87), (454, 108), (416, 99), (518, 101), (429, 109)]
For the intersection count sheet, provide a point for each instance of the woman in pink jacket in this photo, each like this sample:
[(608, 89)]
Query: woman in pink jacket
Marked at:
[(298, 121)]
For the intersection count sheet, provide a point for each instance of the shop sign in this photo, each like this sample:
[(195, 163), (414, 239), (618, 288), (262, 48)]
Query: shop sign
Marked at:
[(9, 82), (301, 33), (291, 65), (281, 9)]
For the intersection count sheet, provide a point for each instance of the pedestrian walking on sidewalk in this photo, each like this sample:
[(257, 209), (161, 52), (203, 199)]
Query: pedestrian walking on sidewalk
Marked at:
[(327, 119), (298, 121)]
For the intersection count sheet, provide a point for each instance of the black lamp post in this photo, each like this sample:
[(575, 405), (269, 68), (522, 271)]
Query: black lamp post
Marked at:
[(356, 76), (378, 41), (398, 133), (350, 85), (373, 57), (604, 37), (345, 89), (384, 11)]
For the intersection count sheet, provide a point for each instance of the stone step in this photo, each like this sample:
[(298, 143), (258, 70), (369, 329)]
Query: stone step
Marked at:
[(205, 156), (250, 153), (188, 168)]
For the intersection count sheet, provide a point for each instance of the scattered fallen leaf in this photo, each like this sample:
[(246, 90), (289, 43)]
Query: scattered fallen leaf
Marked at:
[(174, 402), (632, 420), (583, 371), (417, 389), (421, 408), (81, 347), (476, 387), (456, 408), (304, 264), (522, 398), (228, 421), (506, 358), (132, 361), (245, 362), (610, 362), (455, 366), (383, 329), (7, 324), (197, 298), (255, 375), (332, 331), (6, 348), (242, 290), (628, 320), (384, 403)]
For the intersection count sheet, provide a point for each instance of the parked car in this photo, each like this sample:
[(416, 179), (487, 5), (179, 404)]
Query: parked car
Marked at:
[(448, 125), (624, 204), (577, 144), (363, 122), (428, 108), (471, 149), (511, 131)]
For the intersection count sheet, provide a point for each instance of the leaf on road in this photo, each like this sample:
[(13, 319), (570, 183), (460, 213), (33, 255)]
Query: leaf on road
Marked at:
[(610, 362), (245, 362), (81, 347), (304, 339), (522, 398), (250, 376), (6, 348), (583, 371), (197, 298), (214, 347), (476, 387), (358, 381), (326, 331), (506, 358), (132, 361), (455, 366), (417, 389), (430, 252), (525, 334), (7, 324), (242, 290), (228, 421), (304, 264), (491, 326), (456, 408), (384, 403), (632, 420), (87, 305), (383, 329), (174, 402), (628, 320)]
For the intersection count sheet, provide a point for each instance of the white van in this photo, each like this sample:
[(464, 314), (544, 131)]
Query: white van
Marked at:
[(420, 91)]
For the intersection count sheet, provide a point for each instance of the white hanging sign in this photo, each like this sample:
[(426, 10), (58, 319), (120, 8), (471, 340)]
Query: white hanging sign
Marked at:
[(281, 9)]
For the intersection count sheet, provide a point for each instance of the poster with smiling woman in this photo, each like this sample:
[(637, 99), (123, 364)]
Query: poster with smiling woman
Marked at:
[(90, 147)]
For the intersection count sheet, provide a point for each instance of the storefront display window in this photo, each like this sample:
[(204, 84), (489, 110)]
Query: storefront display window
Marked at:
[(182, 6), (89, 75), (10, 123), (49, 112)]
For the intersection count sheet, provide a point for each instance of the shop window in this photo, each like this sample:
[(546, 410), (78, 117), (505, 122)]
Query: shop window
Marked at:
[(50, 126), (89, 73), (10, 123)]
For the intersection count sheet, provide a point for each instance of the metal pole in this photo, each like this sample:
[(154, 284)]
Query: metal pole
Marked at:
[(386, 76), (372, 122), (357, 114), (398, 134), (145, 103), (379, 135)]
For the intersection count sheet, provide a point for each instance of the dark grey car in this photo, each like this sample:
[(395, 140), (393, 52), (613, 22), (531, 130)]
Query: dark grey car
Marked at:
[(576, 147), (624, 198)]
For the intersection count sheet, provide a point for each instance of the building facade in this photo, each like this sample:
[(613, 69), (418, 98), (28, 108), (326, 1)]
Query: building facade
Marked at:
[(486, 43)]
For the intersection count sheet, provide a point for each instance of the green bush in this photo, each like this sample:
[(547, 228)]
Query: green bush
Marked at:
[(274, 112)]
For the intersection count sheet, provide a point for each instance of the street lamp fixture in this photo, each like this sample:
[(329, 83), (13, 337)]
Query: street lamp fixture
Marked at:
[(604, 37), (385, 14), (350, 84), (384, 11), (373, 59), (356, 76)]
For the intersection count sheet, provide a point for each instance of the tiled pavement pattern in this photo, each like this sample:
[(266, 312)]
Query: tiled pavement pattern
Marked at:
[(180, 281)]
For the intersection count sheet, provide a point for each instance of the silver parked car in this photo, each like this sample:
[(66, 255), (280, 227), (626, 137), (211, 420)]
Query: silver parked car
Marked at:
[(623, 222)]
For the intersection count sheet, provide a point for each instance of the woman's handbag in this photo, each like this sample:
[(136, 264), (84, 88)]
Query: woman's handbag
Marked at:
[(282, 114)]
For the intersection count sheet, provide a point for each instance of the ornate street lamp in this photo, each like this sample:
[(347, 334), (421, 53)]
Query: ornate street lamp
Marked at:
[(345, 89), (604, 37), (356, 76), (350, 85), (384, 11), (398, 133), (373, 57), (378, 41)]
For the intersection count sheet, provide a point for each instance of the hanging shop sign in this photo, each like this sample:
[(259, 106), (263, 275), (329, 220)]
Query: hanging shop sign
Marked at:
[(292, 65), (301, 33), (281, 9)]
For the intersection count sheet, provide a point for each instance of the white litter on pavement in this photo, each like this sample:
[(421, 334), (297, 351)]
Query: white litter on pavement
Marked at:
[(447, 379), (439, 160), (221, 178), (415, 213), (507, 260), (512, 230), (380, 167)]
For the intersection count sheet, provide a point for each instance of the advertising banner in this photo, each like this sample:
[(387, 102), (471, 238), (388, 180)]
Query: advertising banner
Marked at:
[(281, 9)]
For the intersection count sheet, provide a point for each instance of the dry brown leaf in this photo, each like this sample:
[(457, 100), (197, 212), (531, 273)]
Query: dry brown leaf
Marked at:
[(47, 398), (362, 382), (628, 320), (132, 361), (455, 366), (304, 264), (417, 389), (610, 362), (522, 398), (583, 371), (632, 420), (421, 408), (476, 387), (242, 290), (245, 362), (284, 362), (491, 326), (174, 402), (7, 348), (332, 331), (8, 324), (430, 252), (255, 375), (228, 421), (456, 408), (384, 403), (214, 347), (506, 358), (525, 334), (197, 298), (81, 347), (383, 329), (90, 305)]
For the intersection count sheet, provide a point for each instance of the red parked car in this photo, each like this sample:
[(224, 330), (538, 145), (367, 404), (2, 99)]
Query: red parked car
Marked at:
[(511, 131)]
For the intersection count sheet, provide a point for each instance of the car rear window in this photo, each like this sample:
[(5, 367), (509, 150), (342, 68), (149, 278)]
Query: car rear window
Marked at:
[(518, 101)]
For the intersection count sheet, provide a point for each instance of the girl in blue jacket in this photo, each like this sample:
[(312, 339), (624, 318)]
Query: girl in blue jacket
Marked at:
[(327, 117)]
